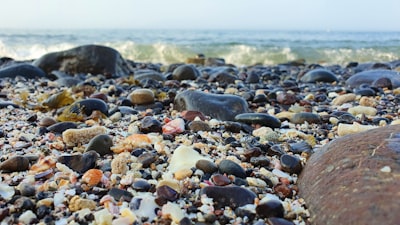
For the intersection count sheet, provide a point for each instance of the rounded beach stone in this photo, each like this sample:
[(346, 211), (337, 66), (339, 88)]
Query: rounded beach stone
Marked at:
[(367, 162), (291, 163), (300, 118), (93, 59), (199, 126), (149, 125), (87, 106), (22, 69), (221, 107), (141, 96), (185, 72), (120, 194), (26, 189), (206, 166), (319, 75), (230, 167), (141, 185), (15, 164), (80, 162), (60, 127), (101, 144), (259, 118), (223, 78), (232, 196), (370, 76), (270, 208)]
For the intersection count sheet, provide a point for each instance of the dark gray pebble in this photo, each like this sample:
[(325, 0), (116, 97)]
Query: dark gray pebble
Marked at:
[(150, 125), (146, 159), (60, 127), (222, 78), (167, 193), (22, 69), (300, 118), (120, 194), (370, 76), (319, 75), (232, 196), (5, 104), (279, 221), (101, 144), (270, 208), (299, 147), (27, 190), (259, 118), (80, 162), (185, 72), (141, 185), (24, 203), (231, 168), (218, 106), (87, 106), (199, 126), (206, 166), (15, 164), (291, 164)]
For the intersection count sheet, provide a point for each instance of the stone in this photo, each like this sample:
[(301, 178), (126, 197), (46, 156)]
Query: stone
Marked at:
[(199, 126), (185, 72), (22, 69), (232, 196), (300, 118), (222, 107), (341, 99), (93, 59), (345, 129), (319, 75), (153, 75), (343, 183), (290, 163), (101, 144), (367, 110), (120, 194), (184, 157), (150, 125), (222, 78), (60, 127), (262, 119), (206, 166), (141, 185), (270, 208), (232, 168), (370, 76), (80, 162), (73, 137), (15, 164), (141, 96)]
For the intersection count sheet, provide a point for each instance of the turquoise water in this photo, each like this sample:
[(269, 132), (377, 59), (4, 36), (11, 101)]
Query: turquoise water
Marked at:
[(240, 47)]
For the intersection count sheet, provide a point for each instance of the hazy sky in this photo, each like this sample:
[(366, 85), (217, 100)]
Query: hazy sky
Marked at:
[(370, 15)]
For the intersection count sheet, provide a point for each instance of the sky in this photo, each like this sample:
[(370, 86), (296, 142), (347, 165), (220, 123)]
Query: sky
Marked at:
[(340, 15)]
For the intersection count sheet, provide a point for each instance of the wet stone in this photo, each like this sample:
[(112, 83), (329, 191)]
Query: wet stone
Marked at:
[(146, 159), (27, 190), (185, 72), (382, 82), (15, 164), (300, 118), (165, 192), (47, 121), (291, 163), (232, 196), (299, 147), (141, 96), (120, 194), (206, 166), (270, 208), (259, 118), (80, 162), (232, 168), (101, 144), (199, 126), (261, 161), (87, 106), (141, 185), (150, 125), (370, 76), (279, 221), (22, 69), (319, 75), (221, 107)]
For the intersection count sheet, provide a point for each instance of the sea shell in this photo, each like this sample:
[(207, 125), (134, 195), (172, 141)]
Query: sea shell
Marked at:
[(92, 177), (43, 164)]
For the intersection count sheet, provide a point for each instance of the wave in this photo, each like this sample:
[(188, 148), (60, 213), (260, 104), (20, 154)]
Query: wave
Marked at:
[(233, 52)]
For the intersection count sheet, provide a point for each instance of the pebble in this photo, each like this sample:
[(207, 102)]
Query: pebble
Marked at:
[(192, 115), (74, 137), (231, 168), (319, 75), (141, 185), (6, 191), (369, 76), (232, 196), (228, 105), (60, 127), (146, 159), (185, 72), (80, 162), (206, 166), (184, 157), (368, 111), (270, 208), (101, 144), (15, 164), (82, 108), (290, 163), (22, 69), (345, 129), (150, 125), (120, 194), (26, 189), (262, 119), (300, 118), (199, 126), (341, 99), (141, 96)]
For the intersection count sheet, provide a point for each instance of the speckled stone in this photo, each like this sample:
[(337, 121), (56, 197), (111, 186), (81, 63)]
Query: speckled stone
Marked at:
[(367, 162)]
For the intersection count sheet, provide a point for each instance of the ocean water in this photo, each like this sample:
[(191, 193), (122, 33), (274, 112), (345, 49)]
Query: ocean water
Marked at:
[(239, 47)]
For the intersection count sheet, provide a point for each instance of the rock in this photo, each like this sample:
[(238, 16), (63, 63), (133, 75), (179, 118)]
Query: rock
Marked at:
[(22, 69), (347, 181), (262, 119), (185, 72), (319, 75), (120, 194), (150, 125), (345, 129), (73, 137), (26, 189), (230, 167), (81, 109), (101, 144), (367, 110), (221, 107), (93, 59), (80, 162), (300, 118), (141, 96), (270, 208), (15, 164), (290, 163), (184, 157), (341, 99), (141, 185), (370, 76), (191, 115), (232, 196), (60, 127), (206, 166), (222, 78), (199, 126), (286, 98), (146, 159), (153, 75)]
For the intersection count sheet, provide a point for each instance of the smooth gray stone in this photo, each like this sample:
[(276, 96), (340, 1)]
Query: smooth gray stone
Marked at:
[(319, 75), (22, 69), (369, 76)]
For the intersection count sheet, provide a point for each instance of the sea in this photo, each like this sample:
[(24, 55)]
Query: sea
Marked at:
[(239, 47)]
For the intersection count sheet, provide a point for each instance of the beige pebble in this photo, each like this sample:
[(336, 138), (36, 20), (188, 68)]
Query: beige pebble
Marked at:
[(73, 137), (367, 101), (183, 173), (344, 129), (184, 157), (77, 203), (256, 182), (356, 110), (141, 96), (119, 165), (172, 211), (103, 217), (395, 122), (341, 99)]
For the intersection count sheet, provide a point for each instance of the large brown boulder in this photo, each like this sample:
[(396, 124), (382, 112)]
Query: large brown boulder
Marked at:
[(93, 59), (355, 179)]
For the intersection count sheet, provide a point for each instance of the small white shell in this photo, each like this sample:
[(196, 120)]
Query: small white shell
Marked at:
[(6, 191)]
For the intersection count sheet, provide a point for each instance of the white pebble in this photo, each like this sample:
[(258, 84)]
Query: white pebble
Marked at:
[(26, 217), (386, 169)]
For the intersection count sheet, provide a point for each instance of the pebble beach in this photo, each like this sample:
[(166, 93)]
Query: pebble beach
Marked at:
[(88, 137)]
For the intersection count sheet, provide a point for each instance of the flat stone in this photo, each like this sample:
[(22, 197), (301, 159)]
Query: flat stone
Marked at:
[(230, 167), (355, 179), (370, 76), (80, 162), (101, 144), (259, 118), (232, 196), (319, 75), (221, 107), (93, 59), (22, 69), (300, 118), (15, 164)]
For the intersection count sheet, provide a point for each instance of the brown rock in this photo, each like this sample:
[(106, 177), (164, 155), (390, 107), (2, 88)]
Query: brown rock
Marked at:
[(355, 179)]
